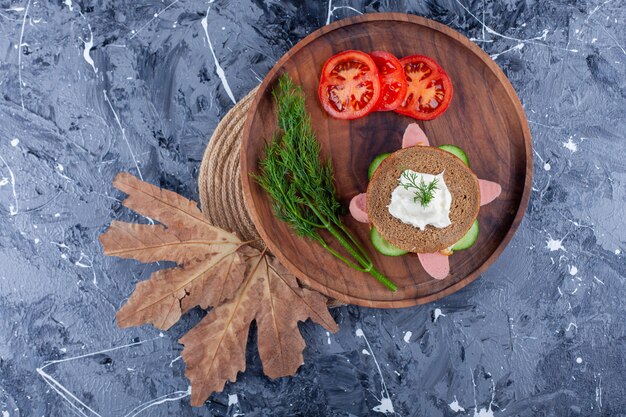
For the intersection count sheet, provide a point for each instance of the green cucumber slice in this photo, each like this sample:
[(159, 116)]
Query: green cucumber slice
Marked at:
[(456, 151), (383, 246), (469, 239), (375, 163)]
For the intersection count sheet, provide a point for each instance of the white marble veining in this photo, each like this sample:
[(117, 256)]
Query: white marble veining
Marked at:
[(385, 406), (19, 56), (454, 406), (218, 68), (88, 46), (15, 207), (83, 409), (154, 16), (119, 124), (332, 9)]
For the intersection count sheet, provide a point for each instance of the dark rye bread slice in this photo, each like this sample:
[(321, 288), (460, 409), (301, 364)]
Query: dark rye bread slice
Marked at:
[(459, 179)]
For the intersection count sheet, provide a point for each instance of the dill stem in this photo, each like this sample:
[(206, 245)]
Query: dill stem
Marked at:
[(296, 212), (365, 261), (329, 225), (319, 226), (338, 256), (353, 239), (383, 279)]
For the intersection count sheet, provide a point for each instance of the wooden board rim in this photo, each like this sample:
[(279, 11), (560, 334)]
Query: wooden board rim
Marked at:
[(502, 78)]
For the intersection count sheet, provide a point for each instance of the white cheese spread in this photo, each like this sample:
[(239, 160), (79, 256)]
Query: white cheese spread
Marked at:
[(405, 208)]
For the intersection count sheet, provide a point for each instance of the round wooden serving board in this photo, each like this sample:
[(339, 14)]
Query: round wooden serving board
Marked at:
[(485, 118)]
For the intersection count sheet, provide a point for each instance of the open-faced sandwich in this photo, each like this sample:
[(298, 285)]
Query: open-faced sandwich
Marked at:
[(424, 200)]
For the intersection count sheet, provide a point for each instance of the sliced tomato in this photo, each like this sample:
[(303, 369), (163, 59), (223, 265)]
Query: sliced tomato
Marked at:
[(392, 80), (349, 85), (429, 88)]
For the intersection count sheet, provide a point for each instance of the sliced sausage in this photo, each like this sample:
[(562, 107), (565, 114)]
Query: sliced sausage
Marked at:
[(358, 208), (435, 264), (489, 191), (414, 135)]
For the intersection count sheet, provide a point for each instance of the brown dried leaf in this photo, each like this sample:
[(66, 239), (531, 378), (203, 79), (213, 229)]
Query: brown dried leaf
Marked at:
[(205, 253), (148, 243), (283, 304), (169, 293), (215, 349), (184, 233), (169, 208), (215, 269)]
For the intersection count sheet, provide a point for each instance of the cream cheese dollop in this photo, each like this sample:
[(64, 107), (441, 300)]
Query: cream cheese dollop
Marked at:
[(405, 209)]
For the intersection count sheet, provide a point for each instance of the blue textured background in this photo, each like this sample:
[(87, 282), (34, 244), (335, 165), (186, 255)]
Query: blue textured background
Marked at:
[(93, 88)]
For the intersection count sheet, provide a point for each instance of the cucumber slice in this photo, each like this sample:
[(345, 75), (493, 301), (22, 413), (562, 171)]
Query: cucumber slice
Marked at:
[(456, 151), (375, 163), (383, 246), (469, 239)]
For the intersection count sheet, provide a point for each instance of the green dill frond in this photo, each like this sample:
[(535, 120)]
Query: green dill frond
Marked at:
[(300, 185), (424, 193)]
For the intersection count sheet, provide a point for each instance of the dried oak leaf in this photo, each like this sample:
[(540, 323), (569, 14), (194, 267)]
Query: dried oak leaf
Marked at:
[(215, 269)]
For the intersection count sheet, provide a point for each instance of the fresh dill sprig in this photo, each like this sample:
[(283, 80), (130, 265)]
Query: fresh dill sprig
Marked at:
[(301, 186), (424, 193)]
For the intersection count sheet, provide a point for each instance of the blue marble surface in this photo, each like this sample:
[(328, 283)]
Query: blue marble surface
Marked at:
[(93, 88)]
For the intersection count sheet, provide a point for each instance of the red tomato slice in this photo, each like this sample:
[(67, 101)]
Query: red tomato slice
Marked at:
[(349, 85), (429, 88), (392, 80)]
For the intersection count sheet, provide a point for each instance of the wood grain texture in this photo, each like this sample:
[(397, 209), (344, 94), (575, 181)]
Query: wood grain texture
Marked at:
[(485, 118)]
